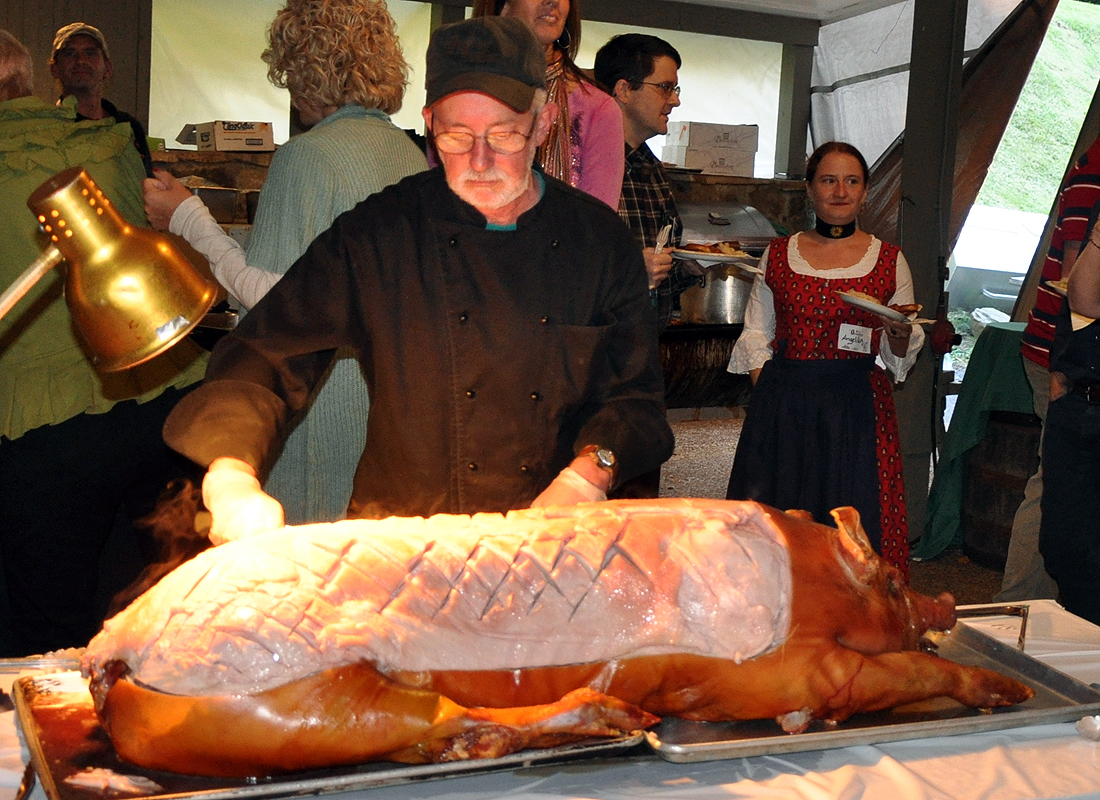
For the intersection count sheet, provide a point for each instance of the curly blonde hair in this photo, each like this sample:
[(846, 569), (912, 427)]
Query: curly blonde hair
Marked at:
[(16, 69), (335, 52)]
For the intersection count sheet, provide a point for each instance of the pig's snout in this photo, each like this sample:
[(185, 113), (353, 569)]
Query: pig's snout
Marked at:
[(937, 614)]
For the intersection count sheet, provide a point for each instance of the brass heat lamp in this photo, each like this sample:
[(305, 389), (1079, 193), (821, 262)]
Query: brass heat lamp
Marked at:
[(132, 294)]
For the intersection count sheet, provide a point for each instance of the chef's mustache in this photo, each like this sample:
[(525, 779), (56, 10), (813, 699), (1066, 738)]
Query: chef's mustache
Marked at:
[(509, 188), (494, 174), (172, 527)]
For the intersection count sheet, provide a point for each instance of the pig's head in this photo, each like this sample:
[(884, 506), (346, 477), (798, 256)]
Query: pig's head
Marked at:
[(853, 595), (893, 610)]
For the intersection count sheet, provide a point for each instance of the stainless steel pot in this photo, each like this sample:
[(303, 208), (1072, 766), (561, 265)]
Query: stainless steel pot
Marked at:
[(720, 300)]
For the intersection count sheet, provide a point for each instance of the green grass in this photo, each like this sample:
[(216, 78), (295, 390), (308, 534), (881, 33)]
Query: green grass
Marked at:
[(960, 353), (1032, 158)]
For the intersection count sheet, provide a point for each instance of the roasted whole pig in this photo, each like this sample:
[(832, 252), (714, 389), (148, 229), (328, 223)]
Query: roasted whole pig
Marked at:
[(421, 640)]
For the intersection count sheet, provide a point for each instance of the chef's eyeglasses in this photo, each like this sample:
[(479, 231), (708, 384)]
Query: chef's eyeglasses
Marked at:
[(668, 88), (506, 143)]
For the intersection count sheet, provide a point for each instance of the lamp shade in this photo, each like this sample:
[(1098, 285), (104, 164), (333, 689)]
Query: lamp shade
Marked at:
[(132, 294)]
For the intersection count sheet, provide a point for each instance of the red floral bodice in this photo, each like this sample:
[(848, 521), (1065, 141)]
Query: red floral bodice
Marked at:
[(809, 312)]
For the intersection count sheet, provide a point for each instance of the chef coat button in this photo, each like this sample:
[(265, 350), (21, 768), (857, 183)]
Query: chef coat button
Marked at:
[(472, 466), (471, 393), (463, 317), (544, 320), (453, 241), (536, 396), (555, 244)]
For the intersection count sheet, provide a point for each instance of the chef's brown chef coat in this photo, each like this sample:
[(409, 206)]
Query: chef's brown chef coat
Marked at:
[(492, 356)]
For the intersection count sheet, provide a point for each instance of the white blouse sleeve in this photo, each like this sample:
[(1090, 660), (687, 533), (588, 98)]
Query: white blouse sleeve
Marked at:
[(192, 220), (754, 345), (900, 365)]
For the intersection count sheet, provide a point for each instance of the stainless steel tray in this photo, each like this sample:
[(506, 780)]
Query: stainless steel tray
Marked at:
[(65, 738), (1058, 698)]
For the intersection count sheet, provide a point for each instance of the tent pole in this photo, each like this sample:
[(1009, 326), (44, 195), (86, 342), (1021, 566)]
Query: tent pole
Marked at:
[(927, 181)]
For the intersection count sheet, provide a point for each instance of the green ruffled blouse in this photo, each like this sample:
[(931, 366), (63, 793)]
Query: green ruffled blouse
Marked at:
[(45, 377)]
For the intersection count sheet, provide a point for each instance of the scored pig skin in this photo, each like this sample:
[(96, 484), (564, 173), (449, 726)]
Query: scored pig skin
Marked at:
[(455, 637), (461, 593)]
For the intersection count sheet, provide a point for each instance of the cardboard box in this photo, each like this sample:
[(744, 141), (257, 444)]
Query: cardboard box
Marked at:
[(710, 134), (712, 160), (227, 135)]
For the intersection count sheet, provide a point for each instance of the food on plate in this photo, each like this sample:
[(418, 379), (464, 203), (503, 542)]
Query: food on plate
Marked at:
[(862, 296), (453, 637), (908, 309), (729, 248)]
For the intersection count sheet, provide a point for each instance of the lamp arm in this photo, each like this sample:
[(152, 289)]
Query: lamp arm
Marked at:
[(49, 259)]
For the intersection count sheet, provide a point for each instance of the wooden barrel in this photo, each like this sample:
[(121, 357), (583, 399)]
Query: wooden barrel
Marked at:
[(997, 469)]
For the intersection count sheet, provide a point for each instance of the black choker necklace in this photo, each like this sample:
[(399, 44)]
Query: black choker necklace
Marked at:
[(835, 231)]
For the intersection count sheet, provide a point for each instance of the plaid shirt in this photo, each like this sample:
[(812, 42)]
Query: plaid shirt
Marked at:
[(646, 205)]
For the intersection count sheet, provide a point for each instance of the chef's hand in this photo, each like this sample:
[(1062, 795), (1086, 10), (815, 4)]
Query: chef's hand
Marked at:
[(657, 265), (568, 489), (163, 195), (236, 502)]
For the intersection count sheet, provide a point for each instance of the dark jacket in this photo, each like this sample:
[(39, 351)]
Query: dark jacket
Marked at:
[(491, 356), (141, 143)]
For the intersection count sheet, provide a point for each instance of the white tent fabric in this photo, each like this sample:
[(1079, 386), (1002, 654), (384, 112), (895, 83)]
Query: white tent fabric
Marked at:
[(198, 77), (206, 64), (861, 72)]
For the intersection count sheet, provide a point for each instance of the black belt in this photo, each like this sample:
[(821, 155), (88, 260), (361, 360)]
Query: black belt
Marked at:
[(1088, 390)]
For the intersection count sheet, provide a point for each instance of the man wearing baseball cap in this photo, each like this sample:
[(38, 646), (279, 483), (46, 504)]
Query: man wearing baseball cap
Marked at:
[(501, 319), (81, 64)]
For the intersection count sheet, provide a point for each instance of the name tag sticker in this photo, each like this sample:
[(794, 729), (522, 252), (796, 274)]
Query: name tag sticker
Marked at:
[(854, 338)]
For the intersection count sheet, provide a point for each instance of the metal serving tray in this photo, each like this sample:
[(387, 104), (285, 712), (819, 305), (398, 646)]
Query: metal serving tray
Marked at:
[(1058, 698), (65, 738)]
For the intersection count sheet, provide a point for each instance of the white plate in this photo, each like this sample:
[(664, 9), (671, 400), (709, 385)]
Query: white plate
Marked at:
[(873, 307), (746, 262), (717, 258)]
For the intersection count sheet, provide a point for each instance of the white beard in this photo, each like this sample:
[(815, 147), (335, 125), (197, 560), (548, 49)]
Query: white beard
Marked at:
[(490, 199)]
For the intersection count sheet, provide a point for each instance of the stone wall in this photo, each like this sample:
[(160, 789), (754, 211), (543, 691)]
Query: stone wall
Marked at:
[(782, 202), (244, 172)]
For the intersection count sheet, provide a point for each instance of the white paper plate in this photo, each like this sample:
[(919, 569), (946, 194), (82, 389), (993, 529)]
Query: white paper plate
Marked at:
[(713, 258), (875, 308)]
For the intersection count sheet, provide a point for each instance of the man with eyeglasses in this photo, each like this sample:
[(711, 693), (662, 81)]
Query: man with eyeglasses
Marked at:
[(501, 319), (640, 72)]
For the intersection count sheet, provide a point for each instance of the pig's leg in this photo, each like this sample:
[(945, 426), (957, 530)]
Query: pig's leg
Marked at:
[(871, 683), (493, 732)]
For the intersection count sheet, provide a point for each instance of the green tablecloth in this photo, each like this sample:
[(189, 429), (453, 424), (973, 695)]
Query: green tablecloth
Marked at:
[(994, 381)]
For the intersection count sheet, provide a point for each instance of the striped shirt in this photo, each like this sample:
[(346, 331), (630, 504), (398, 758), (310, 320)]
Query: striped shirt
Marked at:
[(1080, 192)]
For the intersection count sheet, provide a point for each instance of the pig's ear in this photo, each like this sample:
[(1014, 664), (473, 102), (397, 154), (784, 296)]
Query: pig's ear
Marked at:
[(857, 553)]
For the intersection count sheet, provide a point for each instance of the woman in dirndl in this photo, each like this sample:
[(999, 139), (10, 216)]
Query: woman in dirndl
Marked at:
[(821, 430)]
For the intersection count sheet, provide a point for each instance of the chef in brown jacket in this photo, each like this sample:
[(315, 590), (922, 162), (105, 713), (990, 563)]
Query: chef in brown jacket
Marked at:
[(501, 319)]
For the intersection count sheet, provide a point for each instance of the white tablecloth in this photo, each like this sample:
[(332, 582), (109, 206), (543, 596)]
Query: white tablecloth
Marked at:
[(1048, 761)]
